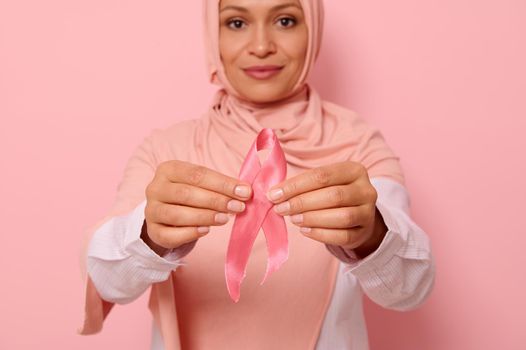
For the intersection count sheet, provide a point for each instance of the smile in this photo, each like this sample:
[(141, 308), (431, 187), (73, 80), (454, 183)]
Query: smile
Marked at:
[(263, 72)]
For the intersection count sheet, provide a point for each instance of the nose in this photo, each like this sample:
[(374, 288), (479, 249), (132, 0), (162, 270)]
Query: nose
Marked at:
[(262, 43)]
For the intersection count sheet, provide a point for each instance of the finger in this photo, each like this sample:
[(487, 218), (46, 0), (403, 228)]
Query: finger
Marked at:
[(328, 197), (348, 238), (200, 176), (183, 194), (173, 237), (330, 175), (335, 218), (177, 215)]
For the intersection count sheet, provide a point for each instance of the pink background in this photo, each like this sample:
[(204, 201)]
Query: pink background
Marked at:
[(82, 82)]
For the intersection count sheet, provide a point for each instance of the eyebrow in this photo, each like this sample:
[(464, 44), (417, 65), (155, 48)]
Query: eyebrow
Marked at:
[(275, 8)]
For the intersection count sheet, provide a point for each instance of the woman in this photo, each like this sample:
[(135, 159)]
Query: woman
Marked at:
[(344, 194)]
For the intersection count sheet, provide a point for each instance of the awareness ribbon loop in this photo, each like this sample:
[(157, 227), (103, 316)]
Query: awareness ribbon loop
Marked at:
[(257, 214)]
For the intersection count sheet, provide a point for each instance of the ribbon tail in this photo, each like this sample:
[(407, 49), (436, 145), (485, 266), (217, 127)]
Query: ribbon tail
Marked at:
[(275, 231), (245, 229)]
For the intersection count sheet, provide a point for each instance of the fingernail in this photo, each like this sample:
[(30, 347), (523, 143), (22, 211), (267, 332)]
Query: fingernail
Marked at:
[(297, 219), (282, 207), (305, 229), (203, 229), (242, 191), (234, 205), (221, 218), (275, 194)]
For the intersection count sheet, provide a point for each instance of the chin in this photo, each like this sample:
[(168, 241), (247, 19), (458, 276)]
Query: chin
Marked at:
[(264, 95)]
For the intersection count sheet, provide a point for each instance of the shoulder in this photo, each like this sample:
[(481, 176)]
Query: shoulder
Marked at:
[(370, 147), (178, 129), (347, 117), (168, 142), (176, 132)]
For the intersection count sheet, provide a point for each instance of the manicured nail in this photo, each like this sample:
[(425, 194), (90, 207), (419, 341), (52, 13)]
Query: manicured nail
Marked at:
[(203, 229), (221, 218), (234, 205), (305, 229), (275, 194), (282, 207), (242, 191), (297, 219)]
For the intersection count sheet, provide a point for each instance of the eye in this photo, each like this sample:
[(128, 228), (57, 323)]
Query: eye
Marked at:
[(287, 22), (235, 23)]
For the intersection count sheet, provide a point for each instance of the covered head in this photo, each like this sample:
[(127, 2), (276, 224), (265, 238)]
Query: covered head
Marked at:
[(312, 12)]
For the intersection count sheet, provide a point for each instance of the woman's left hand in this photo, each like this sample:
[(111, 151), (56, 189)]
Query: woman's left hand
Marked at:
[(334, 204)]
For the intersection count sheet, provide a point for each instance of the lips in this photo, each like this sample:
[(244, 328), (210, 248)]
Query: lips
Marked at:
[(263, 72)]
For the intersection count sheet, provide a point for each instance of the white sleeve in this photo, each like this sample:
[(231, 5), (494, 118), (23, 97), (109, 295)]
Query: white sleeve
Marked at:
[(121, 265), (400, 274)]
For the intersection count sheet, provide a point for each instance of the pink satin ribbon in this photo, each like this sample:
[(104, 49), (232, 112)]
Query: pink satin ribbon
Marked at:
[(257, 214)]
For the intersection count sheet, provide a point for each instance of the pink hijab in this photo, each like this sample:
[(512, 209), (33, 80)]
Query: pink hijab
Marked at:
[(312, 132), (192, 308)]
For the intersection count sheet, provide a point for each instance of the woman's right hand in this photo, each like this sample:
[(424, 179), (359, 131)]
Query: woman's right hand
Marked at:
[(184, 200)]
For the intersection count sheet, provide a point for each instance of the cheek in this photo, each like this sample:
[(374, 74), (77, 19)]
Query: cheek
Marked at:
[(225, 51), (296, 49), (230, 49)]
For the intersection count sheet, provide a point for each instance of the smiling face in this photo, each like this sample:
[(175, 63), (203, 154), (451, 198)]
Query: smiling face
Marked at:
[(263, 45)]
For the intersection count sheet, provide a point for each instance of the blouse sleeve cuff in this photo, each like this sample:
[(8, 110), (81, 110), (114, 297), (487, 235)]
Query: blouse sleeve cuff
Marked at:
[(134, 245)]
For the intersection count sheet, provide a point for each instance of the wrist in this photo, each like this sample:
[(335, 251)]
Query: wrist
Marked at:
[(159, 250), (379, 231)]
